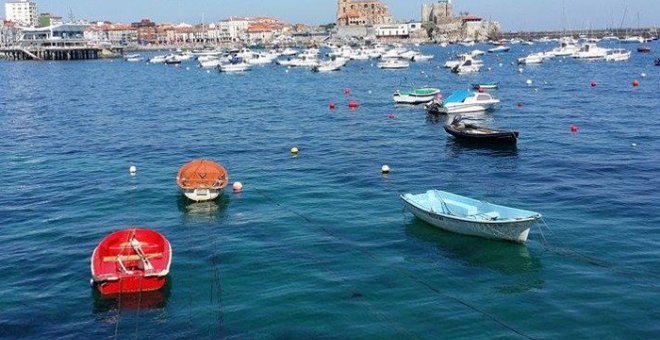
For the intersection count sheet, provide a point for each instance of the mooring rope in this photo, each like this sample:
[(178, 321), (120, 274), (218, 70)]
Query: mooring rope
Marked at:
[(404, 272), (565, 252)]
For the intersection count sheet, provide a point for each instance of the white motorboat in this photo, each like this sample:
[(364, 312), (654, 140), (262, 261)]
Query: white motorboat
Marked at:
[(209, 63), (236, 65), (418, 96), (159, 59), (633, 39), (617, 54), (567, 47), (329, 66), (393, 63), (476, 53), (468, 66), (305, 60), (499, 49), (259, 59), (468, 216), (590, 51), (461, 58), (466, 102), (466, 43), (415, 56), (134, 58), (535, 58)]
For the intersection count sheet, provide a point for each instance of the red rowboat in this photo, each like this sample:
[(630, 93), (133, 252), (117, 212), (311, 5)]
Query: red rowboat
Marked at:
[(131, 260)]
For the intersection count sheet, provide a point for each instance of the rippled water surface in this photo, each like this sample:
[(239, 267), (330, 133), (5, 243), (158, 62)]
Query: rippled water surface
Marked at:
[(317, 246)]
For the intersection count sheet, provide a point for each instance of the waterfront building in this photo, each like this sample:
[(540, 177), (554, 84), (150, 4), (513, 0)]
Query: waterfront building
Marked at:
[(362, 13), (48, 19), (437, 13), (22, 12), (237, 27), (397, 31), (9, 33), (145, 30)]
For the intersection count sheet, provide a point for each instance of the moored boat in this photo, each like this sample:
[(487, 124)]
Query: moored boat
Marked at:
[(418, 96), (617, 54), (657, 62), (469, 216), (471, 133), (486, 86), (644, 49), (202, 180), (131, 260), (393, 63), (134, 58), (236, 65), (499, 49), (463, 102)]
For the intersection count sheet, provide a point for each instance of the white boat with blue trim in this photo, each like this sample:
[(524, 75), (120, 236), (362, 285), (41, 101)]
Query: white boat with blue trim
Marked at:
[(464, 215)]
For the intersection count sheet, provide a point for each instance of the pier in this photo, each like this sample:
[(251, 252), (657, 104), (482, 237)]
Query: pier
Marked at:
[(57, 53), (599, 33)]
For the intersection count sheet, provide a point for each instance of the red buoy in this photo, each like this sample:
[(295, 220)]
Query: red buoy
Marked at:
[(520, 105), (353, 104), (347, 91), (391, 116), (574, 129), (332, 106), (593, 83), (635, 83)]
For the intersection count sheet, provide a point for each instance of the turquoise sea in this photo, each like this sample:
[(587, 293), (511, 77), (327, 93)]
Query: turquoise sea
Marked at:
[(318, 246)]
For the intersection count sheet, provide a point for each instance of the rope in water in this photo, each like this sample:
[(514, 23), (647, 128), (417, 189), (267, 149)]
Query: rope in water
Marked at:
[(560, 251), (406, 273)]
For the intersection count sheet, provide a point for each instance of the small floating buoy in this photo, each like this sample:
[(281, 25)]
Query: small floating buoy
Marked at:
[(574, 129), (294, 150), (353, 104), (391, 116), (529, 82), (369, 91), (385, 169), (187, 68), (635, 83), (208, 71), (500, 64), (332, 106), (132, 170), (237, 187), (286, 71), (633, 145), (593, 83), (520, 70), (643, 75), (489, 69), (520, 104), (347, 91)]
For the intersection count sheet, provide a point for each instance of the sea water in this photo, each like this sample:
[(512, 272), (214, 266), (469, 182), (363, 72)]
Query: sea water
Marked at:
[(317, 245)]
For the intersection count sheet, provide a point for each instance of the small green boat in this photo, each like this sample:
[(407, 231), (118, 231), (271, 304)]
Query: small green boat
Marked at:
[(418, 96)]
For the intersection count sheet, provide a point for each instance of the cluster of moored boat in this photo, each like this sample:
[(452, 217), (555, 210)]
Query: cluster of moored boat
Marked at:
[(390, 57), (139, 259)]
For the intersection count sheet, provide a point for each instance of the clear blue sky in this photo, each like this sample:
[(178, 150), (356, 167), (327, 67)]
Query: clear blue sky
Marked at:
[(513, 14)]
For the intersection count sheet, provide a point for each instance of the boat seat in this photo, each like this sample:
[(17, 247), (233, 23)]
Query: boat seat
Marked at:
[(454, 207), (130, 257)]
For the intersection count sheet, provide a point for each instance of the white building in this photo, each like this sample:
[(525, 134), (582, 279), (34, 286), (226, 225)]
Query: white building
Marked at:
[(22, 12), (402, 30), (236, 27)]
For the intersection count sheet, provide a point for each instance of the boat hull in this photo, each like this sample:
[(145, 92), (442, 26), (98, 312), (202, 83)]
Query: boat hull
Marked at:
[(130, 284), (509, 231), (466, 108), (494, 138), (201, 195)]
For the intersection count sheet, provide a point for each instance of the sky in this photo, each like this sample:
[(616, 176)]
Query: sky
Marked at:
[(514, 15)]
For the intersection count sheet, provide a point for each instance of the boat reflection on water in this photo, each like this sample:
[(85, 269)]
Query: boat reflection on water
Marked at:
[(455, 148), (153, 300), (204, 211), (520, 268)]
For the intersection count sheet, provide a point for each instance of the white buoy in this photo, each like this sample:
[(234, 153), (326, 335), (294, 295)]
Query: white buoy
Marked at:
[(369, 91), (643, 75), (385, 169), (187, 68), (132, 170), (489, 69), (237, 187), (208, 71), (286, 71), (500, 64), (529, 82), (633, 145), (520, 70), (294, 150)]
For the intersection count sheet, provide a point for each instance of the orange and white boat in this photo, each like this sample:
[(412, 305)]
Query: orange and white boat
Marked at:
[(202, 180)]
